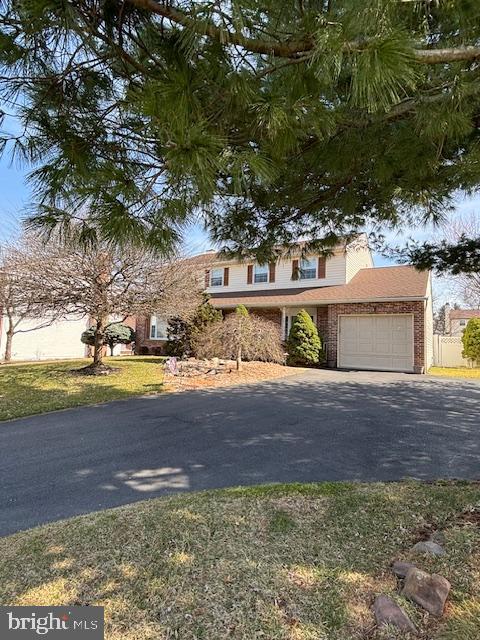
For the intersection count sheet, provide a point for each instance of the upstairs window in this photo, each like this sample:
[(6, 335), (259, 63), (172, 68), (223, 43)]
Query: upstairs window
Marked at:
[(463, 323), (308, 269), (260, 273), (216, 278)]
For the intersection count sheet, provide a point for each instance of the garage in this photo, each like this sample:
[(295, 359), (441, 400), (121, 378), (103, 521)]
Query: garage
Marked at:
[(383, 342)]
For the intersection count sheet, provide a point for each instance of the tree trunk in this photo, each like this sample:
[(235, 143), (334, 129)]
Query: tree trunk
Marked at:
[(239, 359), (112, 347), (8, 345), (99, 342)]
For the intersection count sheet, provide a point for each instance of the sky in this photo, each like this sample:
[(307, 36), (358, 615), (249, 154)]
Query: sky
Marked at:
[(15, 196)]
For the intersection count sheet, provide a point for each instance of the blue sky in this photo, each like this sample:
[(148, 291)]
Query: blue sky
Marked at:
[(15, 196)]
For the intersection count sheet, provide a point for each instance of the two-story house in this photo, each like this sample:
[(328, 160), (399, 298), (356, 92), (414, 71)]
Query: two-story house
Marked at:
[(368, 317), (456, 320)]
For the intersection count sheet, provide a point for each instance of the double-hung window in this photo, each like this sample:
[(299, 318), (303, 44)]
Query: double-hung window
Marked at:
[(308, 269), (216, 277), (260, 273)]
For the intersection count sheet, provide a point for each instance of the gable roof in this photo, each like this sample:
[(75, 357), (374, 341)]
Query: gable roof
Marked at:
[(371, 284), (457, 314), (216, 257)]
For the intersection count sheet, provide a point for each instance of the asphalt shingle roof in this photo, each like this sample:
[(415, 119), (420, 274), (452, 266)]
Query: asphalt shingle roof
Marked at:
[(376, 283)]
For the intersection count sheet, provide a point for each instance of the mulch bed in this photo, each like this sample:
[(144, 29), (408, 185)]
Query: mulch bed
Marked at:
[(201, 374)]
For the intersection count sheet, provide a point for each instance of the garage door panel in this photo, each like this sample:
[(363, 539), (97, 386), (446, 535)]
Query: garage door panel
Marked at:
[(376, 342)]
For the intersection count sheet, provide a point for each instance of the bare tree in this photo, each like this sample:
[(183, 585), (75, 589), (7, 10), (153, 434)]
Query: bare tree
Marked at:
[(241, 336), (22, 296), (466, 285), (109, 284)]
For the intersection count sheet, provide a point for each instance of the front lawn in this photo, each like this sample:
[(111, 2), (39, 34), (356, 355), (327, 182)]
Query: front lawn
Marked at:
[(291, 562), (455, 372), (30, 388)]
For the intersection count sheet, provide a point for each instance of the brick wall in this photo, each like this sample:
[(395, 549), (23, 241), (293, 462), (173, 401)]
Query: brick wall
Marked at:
[(322, 322), (378, 308), (144, 345), (274, 315)]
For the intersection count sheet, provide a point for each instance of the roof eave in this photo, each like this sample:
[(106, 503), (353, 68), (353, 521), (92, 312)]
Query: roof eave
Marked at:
[(307, 303)]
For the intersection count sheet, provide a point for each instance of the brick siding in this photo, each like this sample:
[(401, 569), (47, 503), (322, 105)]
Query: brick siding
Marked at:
[(322, 322), (379, 308), (327, 324), (144, 345)]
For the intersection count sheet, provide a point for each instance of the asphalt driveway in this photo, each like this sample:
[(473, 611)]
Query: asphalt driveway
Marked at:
[(314, 426)]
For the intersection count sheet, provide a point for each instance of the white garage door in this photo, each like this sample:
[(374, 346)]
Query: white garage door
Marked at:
[(383, 342)]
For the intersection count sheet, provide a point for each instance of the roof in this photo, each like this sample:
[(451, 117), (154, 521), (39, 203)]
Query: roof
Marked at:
[(371, 284), (456, 314), (216, 257)]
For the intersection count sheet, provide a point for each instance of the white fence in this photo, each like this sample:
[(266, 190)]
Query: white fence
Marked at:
[(447, 352)]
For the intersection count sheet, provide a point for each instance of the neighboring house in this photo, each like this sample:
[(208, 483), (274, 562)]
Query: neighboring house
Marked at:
[(457, 319), (60, 340), (369, 317)]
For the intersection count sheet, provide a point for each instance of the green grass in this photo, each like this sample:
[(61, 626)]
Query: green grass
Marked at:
[(27, 389), (455, 372), (286, 562)]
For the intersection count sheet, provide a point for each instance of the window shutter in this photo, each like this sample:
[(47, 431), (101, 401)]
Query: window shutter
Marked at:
[(294, 269), (207, 278), (271, 272), (226, 271), (322, 267), (250, 274)]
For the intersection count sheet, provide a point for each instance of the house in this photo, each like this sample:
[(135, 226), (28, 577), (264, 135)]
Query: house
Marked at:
[(456, 319), (56, 341), (369, 317)]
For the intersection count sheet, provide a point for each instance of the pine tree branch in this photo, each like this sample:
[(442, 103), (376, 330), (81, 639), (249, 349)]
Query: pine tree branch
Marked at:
[(208, 28), (294, 48), (454, 54)]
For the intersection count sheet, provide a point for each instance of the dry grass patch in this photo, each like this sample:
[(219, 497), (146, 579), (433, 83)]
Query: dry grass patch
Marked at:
[(284, 562), (455, 372)]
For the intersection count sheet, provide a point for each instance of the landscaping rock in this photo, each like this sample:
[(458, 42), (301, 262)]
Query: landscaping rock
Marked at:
[(429, 547), (400, 568), (438, 537), (387, 611), (429, 591)]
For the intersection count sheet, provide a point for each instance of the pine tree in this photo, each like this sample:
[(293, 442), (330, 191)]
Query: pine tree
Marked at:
[(471, 340), (182, 332), (304, 345), (275, 119)]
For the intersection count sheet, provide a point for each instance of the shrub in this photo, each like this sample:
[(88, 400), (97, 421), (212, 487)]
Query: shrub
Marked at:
[(471, 340), (116, 333), (241, 336), (182, 332), (304, 345)]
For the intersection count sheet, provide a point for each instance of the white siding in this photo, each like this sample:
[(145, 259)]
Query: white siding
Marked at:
[(358, 257), (456, 328), (59, 340), (335, 274), (429, 327)]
